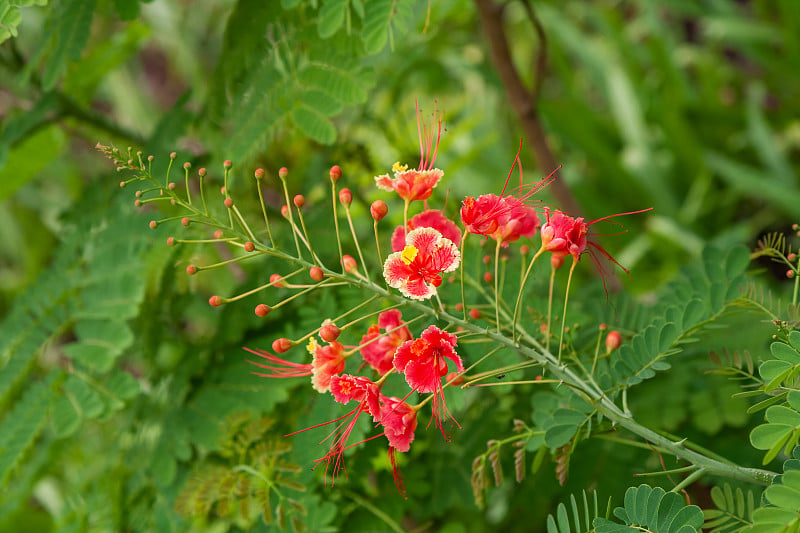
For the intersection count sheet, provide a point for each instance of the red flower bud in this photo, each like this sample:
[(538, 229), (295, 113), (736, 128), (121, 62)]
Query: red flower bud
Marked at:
[(791, 257), (453, 378), (191, 270), (153, 224), (488, 277), (790, 274), (556, 261), (122, 184), (227, 164), (171, 185), (137, 203), (603, 327), (524, 249), (378, 210), (249, 246), (475, 314), (262, 310), (336, 173), (613, 340), (187, 165), (281, 345), (346, 197), (215, 301), (259, 173), (299, 201), (138, 194), (329, 332), (486, 259), (173, 155), (316, 273), (202, 172), (170, 241), (285, 211), (349, 263), (459, 306), (218, 234), (185, 221), (228, 202), (283, 172), (276, 280)]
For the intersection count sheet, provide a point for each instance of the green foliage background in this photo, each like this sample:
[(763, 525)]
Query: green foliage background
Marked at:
[(120, 387)]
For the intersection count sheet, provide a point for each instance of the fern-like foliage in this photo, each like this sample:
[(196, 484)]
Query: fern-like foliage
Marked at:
[(654, 510), (582, 516), (781, 511), (734, 510)]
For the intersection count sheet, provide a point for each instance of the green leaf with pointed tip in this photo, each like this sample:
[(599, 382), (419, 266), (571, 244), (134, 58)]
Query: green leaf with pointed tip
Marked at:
[(314, 124), (73, 19), (736, 261), (331, 17)]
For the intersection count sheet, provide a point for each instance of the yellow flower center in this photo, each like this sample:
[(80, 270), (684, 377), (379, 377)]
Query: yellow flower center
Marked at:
[(312, 345), (397, 167), (408, 254)]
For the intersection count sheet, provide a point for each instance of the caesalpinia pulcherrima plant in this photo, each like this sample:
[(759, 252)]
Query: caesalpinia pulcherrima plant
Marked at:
[(428, 293)]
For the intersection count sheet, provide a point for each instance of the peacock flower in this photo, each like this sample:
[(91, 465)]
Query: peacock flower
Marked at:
[(503, 218), (416, 270), (327, 362), (378, 348), (431, 218)]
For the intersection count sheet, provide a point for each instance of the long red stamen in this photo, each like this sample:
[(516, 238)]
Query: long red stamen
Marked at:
[(619, 215), (516, 159), (419, 134), (285, 369)]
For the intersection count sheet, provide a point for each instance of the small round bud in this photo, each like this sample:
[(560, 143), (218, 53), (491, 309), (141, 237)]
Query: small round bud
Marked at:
[(378, 210), (795, 227), (603, 327), (215, 301), (187, 165), (613, 340), (172, 201), (249, 246), (173, 155), (475, 314), (283, 173), (316, 273), (281, 345), (486, 259), (790, 274), (299, 201), (524, 249), (122, 184), (285, 211), (451, 279), (350, 264), (153, 224), (228, 202), (218, 234), (488, 277), (336, 173), (277, 280), (454, 378), (170, 241), (138, 194), (556, 261), (346, 197), (150, 158), (791, 257), (185, 221), (171, 186), (227, 164), (329, 332), (262, 310), (137, 203), (202, 172), (504, 257), (259, 173), (459, 306), (191, 270), (222, 190)]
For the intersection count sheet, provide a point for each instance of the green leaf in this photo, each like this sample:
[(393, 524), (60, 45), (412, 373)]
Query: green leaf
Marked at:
[(379, 18), (654, 509), (73, 21), (779, 414), (557, 436), (784, 352), (100, 343), (331, 17), (737, 261), (10, 18), (764, 436), (783, 496), (334, 81), (314, 124)]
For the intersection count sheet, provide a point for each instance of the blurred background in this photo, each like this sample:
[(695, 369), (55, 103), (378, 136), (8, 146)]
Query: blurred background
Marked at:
[(122, 391)]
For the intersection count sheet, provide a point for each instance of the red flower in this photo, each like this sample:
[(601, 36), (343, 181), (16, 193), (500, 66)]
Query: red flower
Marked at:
[(417, 270), (379, 353), (399, 422), (432, 218), (346, 387), (562, 235), (417, 184), (327, 362), (424, 363), (503, 218)]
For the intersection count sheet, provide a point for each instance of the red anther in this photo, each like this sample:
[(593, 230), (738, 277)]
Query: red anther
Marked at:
[(170, 241), (378, 210), (556, 261), (336, 173), (171, 185), (173, 155), (488, 277), (187, 165), (185, 221), (346, 197), (316, 273), (790, 274), (262, 310), (459, 306), (259, 173), (329, 332), (350, 264), (215, 301), (613, 340), (227, 164), (486, 259), (299, 201), (524, 249), (202, 172), (153, 224), (249, 246), (285, 211), (475, 314), (191, 270), (218, 234), (276, 280), (228, 202), (281, 345), (283, 172)]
